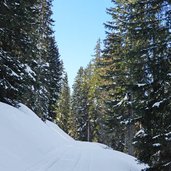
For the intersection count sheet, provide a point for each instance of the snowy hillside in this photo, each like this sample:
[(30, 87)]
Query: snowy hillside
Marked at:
[(28, 144)]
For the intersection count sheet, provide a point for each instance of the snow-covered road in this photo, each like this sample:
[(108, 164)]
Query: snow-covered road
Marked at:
[(28, 144), (81, 156)]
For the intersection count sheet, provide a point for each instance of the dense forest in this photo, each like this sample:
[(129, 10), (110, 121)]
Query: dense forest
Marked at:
[(30, 69), (122, 98)]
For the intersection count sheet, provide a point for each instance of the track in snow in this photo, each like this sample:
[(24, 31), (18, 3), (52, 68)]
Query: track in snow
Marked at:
[(70, 158)]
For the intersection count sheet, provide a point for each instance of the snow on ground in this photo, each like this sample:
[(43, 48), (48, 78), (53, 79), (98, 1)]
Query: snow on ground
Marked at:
[(28, 144)]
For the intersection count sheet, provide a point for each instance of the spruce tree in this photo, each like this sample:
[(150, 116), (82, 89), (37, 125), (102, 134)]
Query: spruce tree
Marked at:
[(80, 105), (15, 45), (29, 56), (54, 76), (63, 107), (46, 64), (143, 29), (116, 78), (150, 56), (95, 110)]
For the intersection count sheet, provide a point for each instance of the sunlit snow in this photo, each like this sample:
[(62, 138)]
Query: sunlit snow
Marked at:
[(29, 144), (157, 104)]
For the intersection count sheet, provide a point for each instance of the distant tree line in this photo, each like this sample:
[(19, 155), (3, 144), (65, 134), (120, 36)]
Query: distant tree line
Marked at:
[(30, 66)]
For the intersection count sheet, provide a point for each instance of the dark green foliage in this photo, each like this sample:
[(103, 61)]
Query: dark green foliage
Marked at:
[(30, 66), (136, 61), (85, 101), (55, 77), (15, 43), (80, 105), (150, 69), (63, 107), (117, 83), (11, 72)]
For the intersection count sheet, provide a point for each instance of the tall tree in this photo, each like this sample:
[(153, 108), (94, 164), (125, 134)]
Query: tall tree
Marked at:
[(138, 75), (86, 100), (116, 76), (63, 107), (16, 42), (54, 75), (29, 56), (95, 110), (80, 105), (149, 54), (42, 58)]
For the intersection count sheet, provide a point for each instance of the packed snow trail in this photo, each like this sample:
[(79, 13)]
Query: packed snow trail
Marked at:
[(82, 156), (28, 144)]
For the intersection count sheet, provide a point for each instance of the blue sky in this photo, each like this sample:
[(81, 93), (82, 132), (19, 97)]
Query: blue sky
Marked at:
[(78, 26)]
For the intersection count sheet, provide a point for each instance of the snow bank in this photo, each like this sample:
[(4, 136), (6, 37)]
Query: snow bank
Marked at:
[(28, 144)]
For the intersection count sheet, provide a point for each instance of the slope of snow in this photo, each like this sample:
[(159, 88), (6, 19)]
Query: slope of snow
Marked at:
[(28, 144)]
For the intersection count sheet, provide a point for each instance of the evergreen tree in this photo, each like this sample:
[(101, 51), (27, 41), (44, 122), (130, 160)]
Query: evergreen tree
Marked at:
[(80, 105), (150, 55), (41, 63), (10, 78), (30, 65), (15, 43), (95, 110), (86, 100), (54, 77), (116, 76), (138, 74), (63, 107)]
